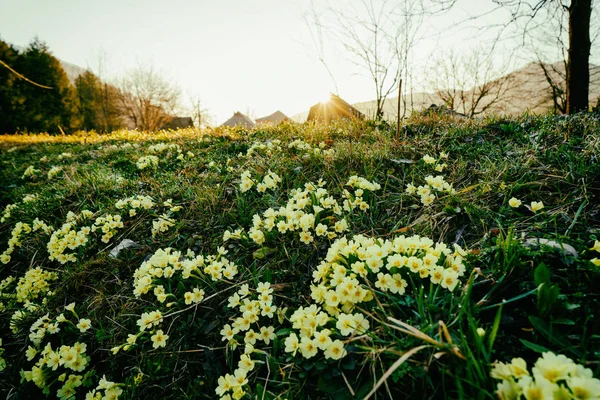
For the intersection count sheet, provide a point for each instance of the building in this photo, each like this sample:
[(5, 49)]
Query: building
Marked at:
[(334, 108), (239, 119), (274, 119)]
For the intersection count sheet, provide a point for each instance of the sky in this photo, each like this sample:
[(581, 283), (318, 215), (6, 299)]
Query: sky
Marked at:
[(253, 56)]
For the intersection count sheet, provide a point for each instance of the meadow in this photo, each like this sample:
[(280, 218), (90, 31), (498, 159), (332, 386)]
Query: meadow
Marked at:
[(459, 259)]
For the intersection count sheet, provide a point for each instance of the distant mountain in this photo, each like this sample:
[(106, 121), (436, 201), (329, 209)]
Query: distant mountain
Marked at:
[(73, 71), (528, 90)]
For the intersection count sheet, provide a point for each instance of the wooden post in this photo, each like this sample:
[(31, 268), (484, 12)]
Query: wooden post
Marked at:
[(399, 100)]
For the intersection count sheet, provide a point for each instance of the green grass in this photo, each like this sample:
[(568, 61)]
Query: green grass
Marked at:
[(529, 298)]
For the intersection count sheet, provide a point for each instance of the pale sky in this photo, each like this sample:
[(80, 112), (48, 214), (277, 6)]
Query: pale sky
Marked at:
[(235, 55)]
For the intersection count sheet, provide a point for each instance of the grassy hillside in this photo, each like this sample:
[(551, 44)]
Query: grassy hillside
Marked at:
[(303, 261)]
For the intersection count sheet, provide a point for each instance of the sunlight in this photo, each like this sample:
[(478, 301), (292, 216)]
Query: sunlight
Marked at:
[(325, 98)]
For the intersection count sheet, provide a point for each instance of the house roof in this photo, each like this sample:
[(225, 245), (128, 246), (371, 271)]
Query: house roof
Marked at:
[(239, 119), (275, 118), (335, 108)]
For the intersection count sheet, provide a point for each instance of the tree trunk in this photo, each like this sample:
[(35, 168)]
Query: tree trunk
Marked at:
[(578, 70)]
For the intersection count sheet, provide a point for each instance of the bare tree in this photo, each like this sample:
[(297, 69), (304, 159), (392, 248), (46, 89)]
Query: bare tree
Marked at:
[(199, 113), (377, 35), (147, 98), (550, 42), (108, 98), (579, 42), (473, 83)]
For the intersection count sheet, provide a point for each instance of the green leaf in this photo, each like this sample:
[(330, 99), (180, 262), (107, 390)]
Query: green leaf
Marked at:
[(547, 296), (262, 253), (535, 347), (541, 274), (545, 329)]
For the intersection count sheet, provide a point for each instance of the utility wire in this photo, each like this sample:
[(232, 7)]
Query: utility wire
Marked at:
[(23, 77)]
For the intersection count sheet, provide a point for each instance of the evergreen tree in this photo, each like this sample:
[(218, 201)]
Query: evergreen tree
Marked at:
[(88, 88), (8, 55), (44, 110), (98, 103)]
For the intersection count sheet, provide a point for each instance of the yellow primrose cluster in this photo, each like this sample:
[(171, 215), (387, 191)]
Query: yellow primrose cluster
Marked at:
[(311, 321), (252, 305), (30, 198), (169, 203), (4, 283), (164, 221), (552, 377), (62, 156), (71, 358), (2, 360), (355, 200), (311, 211), (162, 147), (45, 324), (124, 146), (14, 241), (68, 238), (112, 391), (146, 322), (162, 224), (134, 203), (596, 247), (383, 263), (270, 181), (268, 147), (7, 212), (428, 191), (147, 162), (108, 224), (300, 144), (438, 165), (149, 320), (55, 170), (35, 283), (29, 172), (165, 263), (535, 206)]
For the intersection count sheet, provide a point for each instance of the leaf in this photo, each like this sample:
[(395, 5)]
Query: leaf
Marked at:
[(541, 274), (563, 321), (262, 253), (545, 329), (535, 347)]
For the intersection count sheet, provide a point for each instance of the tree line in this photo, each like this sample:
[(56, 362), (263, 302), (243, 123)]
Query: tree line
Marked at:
[(36, 95)]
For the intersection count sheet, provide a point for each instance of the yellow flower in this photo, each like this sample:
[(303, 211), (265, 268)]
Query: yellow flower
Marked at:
[(308, 347), (541, 389), (291, 344), (159, 339), (518, 368), (584, 388), (250, 337), (84, 325), (514, 202), (246, 363), (428, 159), (30, 353), (267, 334), (336, 350), (536, 206), (596, 246), (553, 367), (595, 261), (322, 339), (345, 324)]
